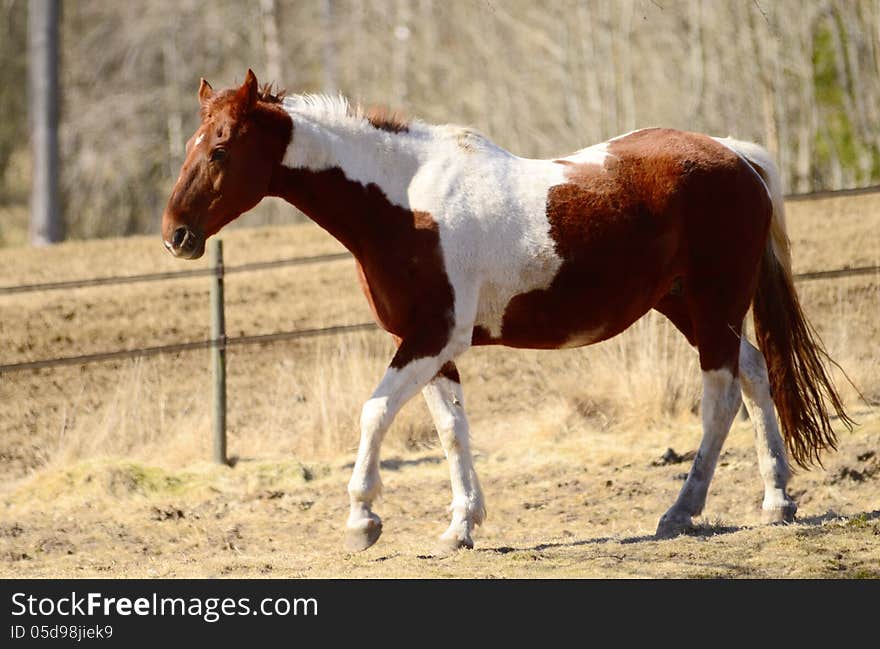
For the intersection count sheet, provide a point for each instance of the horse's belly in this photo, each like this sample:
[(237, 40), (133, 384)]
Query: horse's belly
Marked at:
[(580, 307)]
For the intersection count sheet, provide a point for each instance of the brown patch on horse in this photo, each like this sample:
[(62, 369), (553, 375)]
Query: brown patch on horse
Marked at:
[(657, 218), (482, 336), (385, 119), (676, 311), (398, 252), (449, 371)]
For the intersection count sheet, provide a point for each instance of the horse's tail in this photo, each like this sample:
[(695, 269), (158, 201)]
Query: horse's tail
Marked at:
[(795, 356)]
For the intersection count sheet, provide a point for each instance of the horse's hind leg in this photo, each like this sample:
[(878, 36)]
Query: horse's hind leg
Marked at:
[(446, 403), (777, 507), (719, 347), (721, 400), (719, 405)]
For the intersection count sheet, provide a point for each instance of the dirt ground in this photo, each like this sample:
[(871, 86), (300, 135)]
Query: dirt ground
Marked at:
[(103, 471), (552, 513)]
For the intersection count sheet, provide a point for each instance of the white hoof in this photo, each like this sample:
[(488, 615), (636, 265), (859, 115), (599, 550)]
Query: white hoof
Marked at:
[(358, 539), (447, 546), (779, 514)]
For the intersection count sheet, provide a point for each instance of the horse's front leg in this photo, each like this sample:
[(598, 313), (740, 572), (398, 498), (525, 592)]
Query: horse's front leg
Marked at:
[(409, 372), (446, 403)]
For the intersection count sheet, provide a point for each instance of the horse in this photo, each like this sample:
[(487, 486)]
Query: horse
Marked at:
[(459, 242)]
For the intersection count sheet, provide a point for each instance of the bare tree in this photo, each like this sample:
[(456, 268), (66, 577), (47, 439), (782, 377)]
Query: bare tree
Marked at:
[(541, 79), (806, 123), (271, 40), (400, 58), (329, 18)]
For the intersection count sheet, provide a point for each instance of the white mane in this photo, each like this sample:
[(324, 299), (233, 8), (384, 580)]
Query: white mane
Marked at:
[(319, 106)]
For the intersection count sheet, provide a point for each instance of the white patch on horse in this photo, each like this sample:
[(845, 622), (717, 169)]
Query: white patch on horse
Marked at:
[(199, 139), (628, 133), (327, 134), (491, 210), (596, 154), (489, 205)]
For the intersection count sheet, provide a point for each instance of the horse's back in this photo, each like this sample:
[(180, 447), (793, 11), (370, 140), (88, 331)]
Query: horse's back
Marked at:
[(626, 222)]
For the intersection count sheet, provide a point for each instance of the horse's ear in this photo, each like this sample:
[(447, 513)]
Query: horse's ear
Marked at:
[(247, 94), (205, 92)]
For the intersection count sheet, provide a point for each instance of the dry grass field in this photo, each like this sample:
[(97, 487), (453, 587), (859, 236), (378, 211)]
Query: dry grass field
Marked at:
[(104, 471)]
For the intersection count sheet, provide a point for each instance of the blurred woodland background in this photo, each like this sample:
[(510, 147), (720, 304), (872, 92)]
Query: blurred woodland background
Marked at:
[(801, 77)]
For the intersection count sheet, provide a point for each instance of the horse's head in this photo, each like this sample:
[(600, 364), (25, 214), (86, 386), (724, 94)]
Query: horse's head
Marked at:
[(228, 167)]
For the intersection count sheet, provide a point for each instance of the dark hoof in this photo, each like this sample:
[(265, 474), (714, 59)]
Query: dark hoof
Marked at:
[(359, 539), (446, 547), (779, 515), (669, 528)]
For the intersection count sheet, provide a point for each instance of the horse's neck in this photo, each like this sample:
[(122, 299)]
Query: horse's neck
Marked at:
[(330, 136), (339, 168)]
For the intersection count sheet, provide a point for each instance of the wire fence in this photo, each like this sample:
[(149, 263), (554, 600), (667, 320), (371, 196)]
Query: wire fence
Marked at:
[(124, 354), (833, 193), (254, 339), (185, 274), (299, 261)]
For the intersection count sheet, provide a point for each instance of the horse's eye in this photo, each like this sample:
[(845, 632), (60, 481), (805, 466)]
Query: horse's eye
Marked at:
[(218, 155)]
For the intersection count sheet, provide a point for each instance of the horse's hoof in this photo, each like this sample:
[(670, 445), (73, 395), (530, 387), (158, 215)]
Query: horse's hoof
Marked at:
[(669, 527), (779, 515), (446, 547), (360, 538)]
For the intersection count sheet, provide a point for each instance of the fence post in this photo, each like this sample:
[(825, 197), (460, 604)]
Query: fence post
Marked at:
[(218, 351)]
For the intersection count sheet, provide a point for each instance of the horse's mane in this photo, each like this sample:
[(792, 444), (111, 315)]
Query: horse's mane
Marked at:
[(269, 95), (380, 117), (385, 119)]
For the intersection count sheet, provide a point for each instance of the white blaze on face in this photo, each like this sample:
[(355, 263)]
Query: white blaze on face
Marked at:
[(199, 139)]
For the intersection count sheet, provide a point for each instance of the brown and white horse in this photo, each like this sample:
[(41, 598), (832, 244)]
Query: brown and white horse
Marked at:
[(459, 242)]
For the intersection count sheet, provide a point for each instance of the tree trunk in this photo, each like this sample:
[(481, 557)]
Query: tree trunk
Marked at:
[(43, 18), (625, 91), (591, 62), (808, 113), (271, 41), (400, 53), (331, 80), (174, 119), (698, 63), (609, 65), (763, 64), (568, 78)]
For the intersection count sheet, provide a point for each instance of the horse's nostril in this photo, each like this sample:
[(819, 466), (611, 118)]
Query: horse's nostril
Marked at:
[(179, 237)]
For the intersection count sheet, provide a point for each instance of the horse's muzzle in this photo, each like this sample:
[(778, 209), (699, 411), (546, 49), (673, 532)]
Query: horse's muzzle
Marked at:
[(186, 243)]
